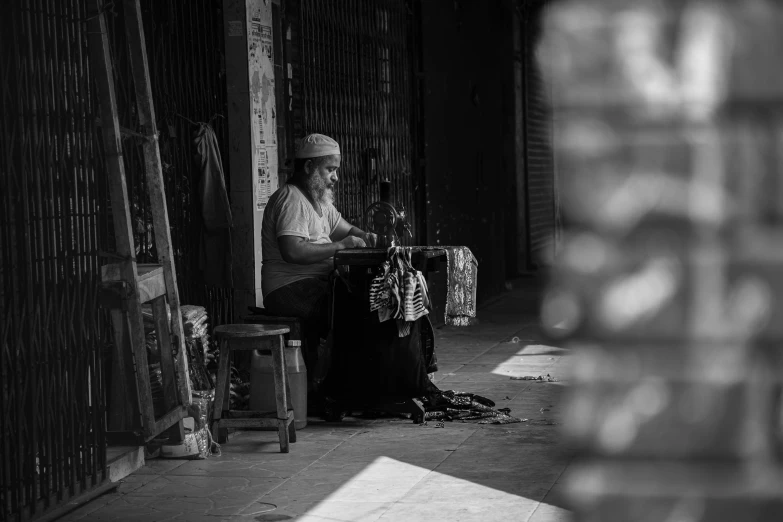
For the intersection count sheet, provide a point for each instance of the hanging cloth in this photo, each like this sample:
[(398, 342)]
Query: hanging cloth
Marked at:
[(215, 259), (399, 291), (461, 281)]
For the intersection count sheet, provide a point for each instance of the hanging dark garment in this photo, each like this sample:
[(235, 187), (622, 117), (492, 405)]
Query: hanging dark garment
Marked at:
[(215, 243)]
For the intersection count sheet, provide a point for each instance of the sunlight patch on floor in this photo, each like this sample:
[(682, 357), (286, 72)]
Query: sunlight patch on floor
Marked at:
[(530, 360), (386, 482)]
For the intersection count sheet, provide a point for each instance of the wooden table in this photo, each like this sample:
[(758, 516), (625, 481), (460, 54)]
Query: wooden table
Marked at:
[(372, 367)]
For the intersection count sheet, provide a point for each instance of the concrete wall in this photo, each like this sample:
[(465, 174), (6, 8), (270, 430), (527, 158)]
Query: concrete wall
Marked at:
[(469, 132)]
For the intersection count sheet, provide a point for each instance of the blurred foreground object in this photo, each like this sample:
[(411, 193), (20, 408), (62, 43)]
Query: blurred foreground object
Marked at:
[(669, 126)]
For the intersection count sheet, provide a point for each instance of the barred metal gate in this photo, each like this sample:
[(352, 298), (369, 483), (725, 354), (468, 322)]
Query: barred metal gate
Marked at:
[(55, 224), (52, 225), (358, 79)]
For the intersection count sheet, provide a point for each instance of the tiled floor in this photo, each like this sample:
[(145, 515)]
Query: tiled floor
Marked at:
[(388, 470)]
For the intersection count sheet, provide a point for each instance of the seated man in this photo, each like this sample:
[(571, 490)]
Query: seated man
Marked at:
[(301, 232)]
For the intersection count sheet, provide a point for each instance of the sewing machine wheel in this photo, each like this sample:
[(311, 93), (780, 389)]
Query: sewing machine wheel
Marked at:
[(380, 218)]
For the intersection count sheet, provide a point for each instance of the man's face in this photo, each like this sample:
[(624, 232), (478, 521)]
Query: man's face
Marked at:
[(323, 177)]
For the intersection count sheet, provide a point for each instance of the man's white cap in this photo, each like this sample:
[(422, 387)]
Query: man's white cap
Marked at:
[(317, 145)]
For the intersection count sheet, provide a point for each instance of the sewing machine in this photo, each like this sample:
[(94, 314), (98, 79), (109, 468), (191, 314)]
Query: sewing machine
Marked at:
[(385, 220)]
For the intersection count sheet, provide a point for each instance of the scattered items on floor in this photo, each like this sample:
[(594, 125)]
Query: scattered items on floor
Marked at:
[(515, 339), (544, 422), (540, 378), (451, 405), (502, 420)]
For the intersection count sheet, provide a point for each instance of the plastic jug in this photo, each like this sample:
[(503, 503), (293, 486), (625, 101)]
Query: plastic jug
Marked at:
[(262, 382)]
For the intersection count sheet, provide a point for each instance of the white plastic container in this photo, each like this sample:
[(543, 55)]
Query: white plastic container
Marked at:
[(262, 382)]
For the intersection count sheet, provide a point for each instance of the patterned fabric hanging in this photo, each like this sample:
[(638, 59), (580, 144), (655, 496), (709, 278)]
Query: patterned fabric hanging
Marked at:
[(462, 273), (399, 291)]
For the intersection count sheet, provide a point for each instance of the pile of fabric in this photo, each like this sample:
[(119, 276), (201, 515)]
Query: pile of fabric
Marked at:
[(460, 310), (458, 406), (194, 321), (199, 443), (197, 345), (205, 354), (399, 291)]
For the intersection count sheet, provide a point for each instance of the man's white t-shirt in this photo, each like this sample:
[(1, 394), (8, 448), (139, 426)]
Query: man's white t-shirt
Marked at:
[(289, 213)]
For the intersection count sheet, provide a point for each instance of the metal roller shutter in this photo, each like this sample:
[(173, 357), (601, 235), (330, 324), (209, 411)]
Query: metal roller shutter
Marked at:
[(539, 157)]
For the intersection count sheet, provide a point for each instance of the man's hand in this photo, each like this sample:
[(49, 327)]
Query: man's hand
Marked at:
[(353, 242), (371, 239)]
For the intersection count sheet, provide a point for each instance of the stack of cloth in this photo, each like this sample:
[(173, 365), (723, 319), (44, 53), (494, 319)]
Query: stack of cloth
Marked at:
[(195, 325), (194, 321), (399, 291), (205, 354)]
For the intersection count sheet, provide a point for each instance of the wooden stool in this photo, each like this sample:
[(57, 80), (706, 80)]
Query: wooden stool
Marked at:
[(268, 339)]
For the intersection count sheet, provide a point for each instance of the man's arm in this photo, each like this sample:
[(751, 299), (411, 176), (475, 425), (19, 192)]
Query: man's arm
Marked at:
[(299, 251), (345, 230)]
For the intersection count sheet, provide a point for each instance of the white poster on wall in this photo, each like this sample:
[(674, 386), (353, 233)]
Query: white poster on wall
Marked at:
[(262, 90)]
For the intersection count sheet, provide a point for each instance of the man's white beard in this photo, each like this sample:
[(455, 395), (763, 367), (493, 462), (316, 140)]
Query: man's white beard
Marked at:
[(319, 190), (328, 197)]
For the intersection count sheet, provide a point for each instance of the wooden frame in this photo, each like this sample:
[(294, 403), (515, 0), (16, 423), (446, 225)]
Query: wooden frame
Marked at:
[(127, 285)]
